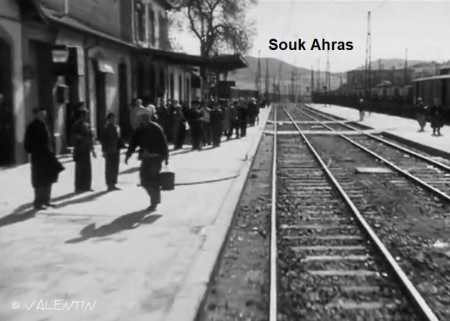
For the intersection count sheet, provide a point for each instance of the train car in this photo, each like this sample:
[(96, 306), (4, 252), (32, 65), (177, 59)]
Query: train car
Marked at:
[(433, 90)]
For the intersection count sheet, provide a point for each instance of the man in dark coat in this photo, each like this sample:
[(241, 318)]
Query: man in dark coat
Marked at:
[(195, 123), (83, 143), (111, 143), (243, 117), (44, 165), (150, 137), (216, 124), (252, 111), (179, 126)]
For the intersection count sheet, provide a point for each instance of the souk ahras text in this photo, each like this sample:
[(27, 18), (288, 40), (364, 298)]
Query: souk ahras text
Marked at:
[(315, 44)]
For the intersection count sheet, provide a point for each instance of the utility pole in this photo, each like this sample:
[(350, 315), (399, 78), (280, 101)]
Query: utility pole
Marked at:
[(318, 75), (292, 89), (266, 81), (405, 76), (312, 79), (368, 63), (327, 75), (258, 75), (279, 80)]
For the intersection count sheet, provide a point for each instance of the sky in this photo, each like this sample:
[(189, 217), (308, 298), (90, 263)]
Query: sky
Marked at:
[(422, 27)]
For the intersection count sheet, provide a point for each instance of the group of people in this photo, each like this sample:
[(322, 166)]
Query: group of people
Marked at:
[(433, 114), (206, 122), (152, 130)]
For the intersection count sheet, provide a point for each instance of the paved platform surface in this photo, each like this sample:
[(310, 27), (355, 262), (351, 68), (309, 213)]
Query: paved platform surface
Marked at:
[(99, 256), (402, 127)]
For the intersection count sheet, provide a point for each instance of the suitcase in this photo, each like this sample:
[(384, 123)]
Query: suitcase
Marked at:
[(167, 180)]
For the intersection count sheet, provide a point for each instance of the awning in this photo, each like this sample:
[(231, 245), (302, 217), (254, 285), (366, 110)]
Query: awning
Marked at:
[(105, 67), (218, 63)]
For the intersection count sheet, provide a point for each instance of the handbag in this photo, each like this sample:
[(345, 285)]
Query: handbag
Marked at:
[(167, 179)]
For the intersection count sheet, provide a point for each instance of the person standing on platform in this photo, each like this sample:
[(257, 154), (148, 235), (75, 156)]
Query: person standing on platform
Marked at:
[(216, 124), (252, 111), (243, 117), (437, 120), (226, 124), (422, 111), (195, 123), (235, 124), (206, 123), (162, 112), (151, 139), (83, 143), (45, 168), (179, 127), (111, 144), (361, 108)]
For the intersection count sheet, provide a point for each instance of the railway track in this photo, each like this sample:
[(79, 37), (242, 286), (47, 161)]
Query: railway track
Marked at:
[(326, 261), (424, 171)]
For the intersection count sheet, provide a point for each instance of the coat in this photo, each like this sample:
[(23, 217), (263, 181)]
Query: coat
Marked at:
[(110, 139), (45, 167), (227, 118), (83, 139), (151, 139)]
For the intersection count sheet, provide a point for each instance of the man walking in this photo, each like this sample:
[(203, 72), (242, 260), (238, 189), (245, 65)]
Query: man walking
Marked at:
[(44, 165), (111, 143), (150, 137)]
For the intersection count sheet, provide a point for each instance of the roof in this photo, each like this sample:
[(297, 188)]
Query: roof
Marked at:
[(432, 78), (172, 56), (219, 63), (51, 15), (228, 62)]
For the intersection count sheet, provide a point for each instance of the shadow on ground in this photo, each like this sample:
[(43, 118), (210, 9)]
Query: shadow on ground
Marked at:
[(126, 222), (26, 211)]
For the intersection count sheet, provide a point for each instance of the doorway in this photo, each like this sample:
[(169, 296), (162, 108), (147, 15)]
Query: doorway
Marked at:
[(124, 113), (100, 97), (6, 108)]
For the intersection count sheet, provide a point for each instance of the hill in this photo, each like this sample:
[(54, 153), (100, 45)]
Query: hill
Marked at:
[(245, 77), (396, 63)]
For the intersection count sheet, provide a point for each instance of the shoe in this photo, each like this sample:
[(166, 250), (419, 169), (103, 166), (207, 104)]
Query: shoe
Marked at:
[(40, 207), (50, 205), (113, 188), (152, 207)]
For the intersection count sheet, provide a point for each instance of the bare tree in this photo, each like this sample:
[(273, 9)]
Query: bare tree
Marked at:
[(219, 24)]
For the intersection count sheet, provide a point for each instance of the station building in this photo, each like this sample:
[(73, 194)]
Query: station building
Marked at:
[(56, 53)]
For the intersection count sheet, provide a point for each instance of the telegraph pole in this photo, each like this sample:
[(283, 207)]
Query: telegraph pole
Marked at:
[(327, 75), (368, 64), (266, 81), (258, 76), (279, 80), (405, 79)]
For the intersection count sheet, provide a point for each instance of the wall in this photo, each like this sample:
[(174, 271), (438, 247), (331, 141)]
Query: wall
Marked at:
[(11, 32), (103, 15)]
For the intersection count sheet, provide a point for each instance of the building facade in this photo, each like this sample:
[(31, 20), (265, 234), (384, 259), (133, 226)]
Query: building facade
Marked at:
[(58, 53)]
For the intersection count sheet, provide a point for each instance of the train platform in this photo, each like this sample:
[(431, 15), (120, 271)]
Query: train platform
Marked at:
[(102, 257), (403, 129)]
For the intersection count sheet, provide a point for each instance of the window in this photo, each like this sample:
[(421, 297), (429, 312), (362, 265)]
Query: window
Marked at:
[(163, 32), (152, 28), (139, 21)]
